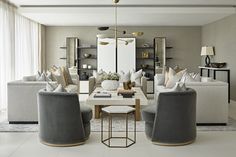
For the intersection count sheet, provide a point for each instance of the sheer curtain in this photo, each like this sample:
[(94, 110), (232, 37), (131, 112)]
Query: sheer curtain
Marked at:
[(26, 46), (18, 48)]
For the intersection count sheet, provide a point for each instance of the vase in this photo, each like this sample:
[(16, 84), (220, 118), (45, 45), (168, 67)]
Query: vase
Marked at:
[(110, 85), (84, 76)]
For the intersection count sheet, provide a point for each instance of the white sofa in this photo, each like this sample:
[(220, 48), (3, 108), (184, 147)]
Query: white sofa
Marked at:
[(212, 100), (22, 99)]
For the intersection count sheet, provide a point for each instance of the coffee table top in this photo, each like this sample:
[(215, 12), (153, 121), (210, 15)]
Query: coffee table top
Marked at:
[(118, 109), (117, 100)]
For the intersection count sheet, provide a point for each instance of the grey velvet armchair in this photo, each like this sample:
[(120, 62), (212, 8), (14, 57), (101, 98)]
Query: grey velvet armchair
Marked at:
[(172, 121), (62, 120)]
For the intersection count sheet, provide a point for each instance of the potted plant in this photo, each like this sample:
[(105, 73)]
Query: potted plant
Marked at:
[(110, 81)]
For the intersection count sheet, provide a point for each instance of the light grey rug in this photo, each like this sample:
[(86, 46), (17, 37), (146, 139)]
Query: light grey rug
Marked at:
[(118, 125)]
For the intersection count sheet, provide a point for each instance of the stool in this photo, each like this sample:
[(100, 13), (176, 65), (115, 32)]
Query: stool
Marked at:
[(118, 110)]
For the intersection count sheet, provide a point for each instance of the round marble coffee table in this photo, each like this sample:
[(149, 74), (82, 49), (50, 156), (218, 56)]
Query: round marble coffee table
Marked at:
[(124, 111)]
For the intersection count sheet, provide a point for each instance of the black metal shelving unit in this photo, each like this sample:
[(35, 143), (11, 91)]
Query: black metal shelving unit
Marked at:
[(81, 50)]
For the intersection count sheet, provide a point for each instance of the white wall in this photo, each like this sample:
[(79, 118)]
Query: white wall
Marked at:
[(222, 35), (186, 42)]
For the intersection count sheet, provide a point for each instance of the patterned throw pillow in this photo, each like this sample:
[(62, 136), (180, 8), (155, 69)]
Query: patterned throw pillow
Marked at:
[(59, 77), (54, 87), (174, 77), (66, 75)]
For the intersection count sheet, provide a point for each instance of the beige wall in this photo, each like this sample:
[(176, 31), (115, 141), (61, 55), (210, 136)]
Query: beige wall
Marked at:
[(186, 42), (222, 35)]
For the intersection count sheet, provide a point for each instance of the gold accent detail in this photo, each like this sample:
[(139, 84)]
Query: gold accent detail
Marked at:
[(173, 144), (103, 43), (137, 34), (62, 145)]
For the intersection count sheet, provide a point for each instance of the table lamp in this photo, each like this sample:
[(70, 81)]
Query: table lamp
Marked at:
[(207, 51)]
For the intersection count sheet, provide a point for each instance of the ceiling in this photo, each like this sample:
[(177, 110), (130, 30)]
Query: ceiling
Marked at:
[(130, 12)]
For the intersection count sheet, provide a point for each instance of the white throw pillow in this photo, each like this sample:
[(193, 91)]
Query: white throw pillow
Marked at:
[(99, 76), (160, 79), (136, 77), (124, 77), (174, 77)]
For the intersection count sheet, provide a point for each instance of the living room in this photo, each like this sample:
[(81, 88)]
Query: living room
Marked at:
[(117, 77)]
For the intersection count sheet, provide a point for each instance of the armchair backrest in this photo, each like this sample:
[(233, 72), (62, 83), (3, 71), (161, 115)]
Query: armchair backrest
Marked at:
[(176, 116), (59, 117)]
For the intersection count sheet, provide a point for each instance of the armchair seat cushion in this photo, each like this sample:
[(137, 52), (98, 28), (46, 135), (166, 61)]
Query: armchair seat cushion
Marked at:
[(71, 88), (86, 113), (148, 113)]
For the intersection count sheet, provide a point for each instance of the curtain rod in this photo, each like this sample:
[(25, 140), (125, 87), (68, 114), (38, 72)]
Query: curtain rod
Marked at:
[(127, 6)]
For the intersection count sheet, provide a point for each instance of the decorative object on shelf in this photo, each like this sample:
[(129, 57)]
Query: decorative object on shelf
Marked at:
[(128, 85), (135, 34), (84, 76), (110, 81), (218, 65), (126, 93), (146, 45), (87, 55), (144, 66), (85, 66), (145, 54), (89, 66), (207, 51)]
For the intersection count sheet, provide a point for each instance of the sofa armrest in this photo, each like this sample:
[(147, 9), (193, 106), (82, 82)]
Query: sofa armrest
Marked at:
[(144, 85), (92, 81)]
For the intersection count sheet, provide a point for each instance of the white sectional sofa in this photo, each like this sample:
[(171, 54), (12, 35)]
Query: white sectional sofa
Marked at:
[(22, 99), (212, 100)]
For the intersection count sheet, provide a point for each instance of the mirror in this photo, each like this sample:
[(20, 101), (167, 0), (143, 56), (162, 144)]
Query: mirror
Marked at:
[(72, 43)]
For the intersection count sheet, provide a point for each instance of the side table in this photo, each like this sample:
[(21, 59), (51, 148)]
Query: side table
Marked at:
[(110, 111), (214, 75)]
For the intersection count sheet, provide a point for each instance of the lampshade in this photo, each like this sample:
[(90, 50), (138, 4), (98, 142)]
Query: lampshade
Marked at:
[(207, 50)]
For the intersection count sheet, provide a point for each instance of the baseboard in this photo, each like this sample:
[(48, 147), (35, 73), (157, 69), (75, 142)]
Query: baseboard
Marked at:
[(23, 122), (211, 124)]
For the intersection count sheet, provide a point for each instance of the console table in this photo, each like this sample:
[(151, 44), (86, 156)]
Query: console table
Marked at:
[(214, 75)]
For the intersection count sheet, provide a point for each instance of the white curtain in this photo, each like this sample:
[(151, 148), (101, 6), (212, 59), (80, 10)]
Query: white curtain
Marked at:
[(18, 48), (26, 47)]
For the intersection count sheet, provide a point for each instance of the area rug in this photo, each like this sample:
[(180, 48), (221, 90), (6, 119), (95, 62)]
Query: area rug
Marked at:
[(118, 125)]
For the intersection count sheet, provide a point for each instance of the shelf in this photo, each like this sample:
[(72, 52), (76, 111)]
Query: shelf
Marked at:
[(145, 47), (87, 69), (145, 68), (145, 58), (169, 47), (87, 48), (167, 58), (63, 47), (87, 58)]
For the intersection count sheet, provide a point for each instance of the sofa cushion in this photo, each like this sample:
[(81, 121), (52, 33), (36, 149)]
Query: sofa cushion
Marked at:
[(149, 112), (86, 113), (71, 88), (29, 78)]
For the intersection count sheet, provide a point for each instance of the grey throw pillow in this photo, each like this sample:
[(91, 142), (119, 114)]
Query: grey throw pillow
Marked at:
[(124, 77), (136, 77)]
